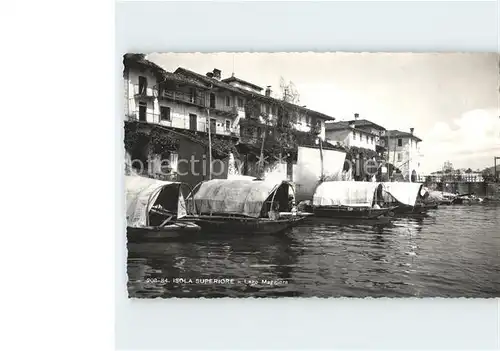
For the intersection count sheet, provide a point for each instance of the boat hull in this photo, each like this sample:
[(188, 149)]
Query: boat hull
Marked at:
[(413, 210), (174, 230), (244, 225)]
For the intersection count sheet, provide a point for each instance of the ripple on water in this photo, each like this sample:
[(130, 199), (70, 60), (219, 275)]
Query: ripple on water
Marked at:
[(451, 252)]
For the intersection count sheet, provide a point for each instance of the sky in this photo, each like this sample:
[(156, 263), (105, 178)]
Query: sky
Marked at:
[(451, 99)]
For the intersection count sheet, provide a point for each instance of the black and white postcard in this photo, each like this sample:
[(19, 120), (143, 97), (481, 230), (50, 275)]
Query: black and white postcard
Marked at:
[(312, 174)]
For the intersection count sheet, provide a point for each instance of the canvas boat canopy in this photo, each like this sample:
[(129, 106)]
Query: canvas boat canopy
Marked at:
[(145, 193), (246, 197), (405, 192), (347, 193)]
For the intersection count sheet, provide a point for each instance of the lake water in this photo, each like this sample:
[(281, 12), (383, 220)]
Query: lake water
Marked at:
[(453, 252)]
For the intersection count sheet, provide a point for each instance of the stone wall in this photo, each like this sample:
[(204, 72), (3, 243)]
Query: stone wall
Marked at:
[(481, 189)]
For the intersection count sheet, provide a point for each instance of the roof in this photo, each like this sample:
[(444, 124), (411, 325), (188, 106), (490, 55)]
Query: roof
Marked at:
[(234, 196), (345, 193), (241, 81), (405, 192), (208, 81), (139, 60), (344, 125), (142, 193), (365, 123), (224, 85), (185, 76), (182, 79), (398, 133)]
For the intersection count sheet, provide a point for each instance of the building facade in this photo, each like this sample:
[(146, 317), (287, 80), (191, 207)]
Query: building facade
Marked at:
[(187, 100), (366, 144), (359, 133), (404, 153), (232, 109)]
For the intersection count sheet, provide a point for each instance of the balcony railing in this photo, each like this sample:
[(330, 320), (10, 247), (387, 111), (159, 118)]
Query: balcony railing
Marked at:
[(225, 110), (250, 139), (146, 117), (194, 99), (144, 91), (154, 118)]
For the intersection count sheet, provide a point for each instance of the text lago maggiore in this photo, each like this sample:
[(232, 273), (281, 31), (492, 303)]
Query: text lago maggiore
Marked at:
[(216, 281)]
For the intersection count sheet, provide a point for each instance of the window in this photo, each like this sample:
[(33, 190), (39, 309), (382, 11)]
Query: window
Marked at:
[(142, 111), (193, 122), (353, 135), (267, 109), (274, 110), (212, 100), (240, 102), (164, 113), (228, 125), (400, 142), (228, 101), (371, 140), (400, 156), (143, 85), (213, 125), (192, 95)]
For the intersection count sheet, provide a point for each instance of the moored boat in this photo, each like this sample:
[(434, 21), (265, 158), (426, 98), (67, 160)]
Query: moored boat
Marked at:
[(467, 199), (244, 206), (154, 209), (350, 200), (410, 198)]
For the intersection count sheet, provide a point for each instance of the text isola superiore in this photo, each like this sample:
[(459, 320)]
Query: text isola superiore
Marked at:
[(228, 281)]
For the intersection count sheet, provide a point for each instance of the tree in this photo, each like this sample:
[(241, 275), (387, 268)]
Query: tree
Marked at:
[(281, 125), (468, 170), (448, 167), (289, 92)]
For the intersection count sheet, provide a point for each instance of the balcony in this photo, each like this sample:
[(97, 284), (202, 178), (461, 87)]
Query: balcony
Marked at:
[(145, 117), (143, 92), (193, 99), (226, 111), (154, 118), (250, 139)]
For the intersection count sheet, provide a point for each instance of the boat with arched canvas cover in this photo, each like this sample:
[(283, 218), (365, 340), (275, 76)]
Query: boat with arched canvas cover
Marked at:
[(244, 206), (410, 198), (350, 200), (154, 209)]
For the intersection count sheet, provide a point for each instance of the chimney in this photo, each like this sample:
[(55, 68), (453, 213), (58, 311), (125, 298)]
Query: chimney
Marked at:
[(268, 90), (217, 73), (210, 75), (356, 116), (411, 130)]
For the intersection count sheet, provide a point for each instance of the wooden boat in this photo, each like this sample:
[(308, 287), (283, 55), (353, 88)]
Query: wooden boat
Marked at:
[(466, 199), (154, 209), (350, 200), (446, 198), (244, 206), (410, 198)]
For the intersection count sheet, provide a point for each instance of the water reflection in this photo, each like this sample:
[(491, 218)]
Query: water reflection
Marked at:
[(449, 252), (269, 257)]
